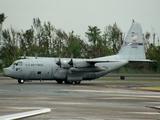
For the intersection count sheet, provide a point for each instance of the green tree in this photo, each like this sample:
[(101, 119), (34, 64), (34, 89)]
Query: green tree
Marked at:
[(146, 38), (28, 37), (9, 51), (94, 38), (2, 18), (106, 48), (115, 37), (59, 43), (154, 54), (73, 46), (93, 34), (44, 37)]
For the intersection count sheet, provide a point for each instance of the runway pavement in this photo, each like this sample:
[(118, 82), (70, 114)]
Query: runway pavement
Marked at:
[(125, 75), (91, 100)]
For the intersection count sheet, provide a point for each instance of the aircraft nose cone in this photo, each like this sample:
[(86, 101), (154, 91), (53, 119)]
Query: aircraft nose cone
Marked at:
[(6, 72)]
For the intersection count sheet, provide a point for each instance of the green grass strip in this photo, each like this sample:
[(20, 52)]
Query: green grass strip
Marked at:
[(129, 79)]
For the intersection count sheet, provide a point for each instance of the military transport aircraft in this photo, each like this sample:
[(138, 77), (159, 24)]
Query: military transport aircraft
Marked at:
[(69, 70)]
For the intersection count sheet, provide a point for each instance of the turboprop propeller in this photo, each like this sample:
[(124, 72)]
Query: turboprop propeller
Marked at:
[(62, 63), (59, 63), (71, 62)]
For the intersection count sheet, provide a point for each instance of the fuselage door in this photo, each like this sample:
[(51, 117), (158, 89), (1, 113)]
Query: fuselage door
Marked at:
[(32, 74)]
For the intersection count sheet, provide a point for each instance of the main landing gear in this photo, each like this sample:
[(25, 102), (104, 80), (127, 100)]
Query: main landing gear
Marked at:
[(21, 81), (59, 81), (68, 82), (77, 82)]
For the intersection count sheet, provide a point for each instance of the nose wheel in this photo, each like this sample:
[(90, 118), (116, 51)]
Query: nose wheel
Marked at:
[(20, 81)]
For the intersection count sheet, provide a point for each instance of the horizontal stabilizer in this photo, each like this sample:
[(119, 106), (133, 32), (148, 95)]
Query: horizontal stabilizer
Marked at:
[(142, 60)]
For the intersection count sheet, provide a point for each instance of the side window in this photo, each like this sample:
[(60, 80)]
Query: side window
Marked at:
[(39, 72), (14, 64), (17, 69)]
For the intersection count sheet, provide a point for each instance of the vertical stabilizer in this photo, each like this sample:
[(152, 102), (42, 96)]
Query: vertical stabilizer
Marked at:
[(133, 46)]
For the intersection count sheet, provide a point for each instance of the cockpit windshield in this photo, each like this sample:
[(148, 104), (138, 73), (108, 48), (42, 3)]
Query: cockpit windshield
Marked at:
[(17, 64), (14, 64)]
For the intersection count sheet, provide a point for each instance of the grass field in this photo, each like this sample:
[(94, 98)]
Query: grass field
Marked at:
[(153, 88), (129, 79), (150, 88)]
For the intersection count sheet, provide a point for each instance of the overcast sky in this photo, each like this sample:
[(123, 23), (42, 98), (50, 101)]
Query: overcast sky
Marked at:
[(77, 15)]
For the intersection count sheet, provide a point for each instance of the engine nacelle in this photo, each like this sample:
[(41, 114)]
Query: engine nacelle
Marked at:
[(63, 63), (72, 63), (87, 69), (81, 64), (61, 74)]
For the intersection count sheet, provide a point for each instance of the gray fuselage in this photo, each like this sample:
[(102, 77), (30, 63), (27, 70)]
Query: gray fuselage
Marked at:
[(47, 69)]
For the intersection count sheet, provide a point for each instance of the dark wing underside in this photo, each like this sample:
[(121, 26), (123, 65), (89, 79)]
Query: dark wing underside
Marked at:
[(154, 107)]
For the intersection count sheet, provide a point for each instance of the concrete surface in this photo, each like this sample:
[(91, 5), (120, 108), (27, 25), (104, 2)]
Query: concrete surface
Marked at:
[(126, 75), (91, 100)]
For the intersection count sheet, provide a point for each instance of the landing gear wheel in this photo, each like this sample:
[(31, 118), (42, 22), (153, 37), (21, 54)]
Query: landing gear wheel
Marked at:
[(68, 82), (59, 81), (20, 81), (77, 82)]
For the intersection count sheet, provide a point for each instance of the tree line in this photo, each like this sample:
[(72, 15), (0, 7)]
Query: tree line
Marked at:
[(44, 40)]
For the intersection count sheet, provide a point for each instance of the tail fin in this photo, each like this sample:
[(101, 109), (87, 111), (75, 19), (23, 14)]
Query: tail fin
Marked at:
[(133, 46)]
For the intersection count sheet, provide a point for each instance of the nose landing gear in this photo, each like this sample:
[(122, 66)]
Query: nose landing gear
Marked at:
[(21, 81)]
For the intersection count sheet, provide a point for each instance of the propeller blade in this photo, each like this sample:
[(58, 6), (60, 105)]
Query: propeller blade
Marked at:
[(71, 62), (59, 62)]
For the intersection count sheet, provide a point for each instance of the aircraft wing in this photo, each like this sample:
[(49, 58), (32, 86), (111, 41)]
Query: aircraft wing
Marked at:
[(88, 63), (130, 60), (92, 62), (154, 107), (101, 61), (25, 114)]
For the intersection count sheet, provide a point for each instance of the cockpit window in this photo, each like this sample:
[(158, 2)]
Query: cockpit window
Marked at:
[(15, 64), (19, 64)]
